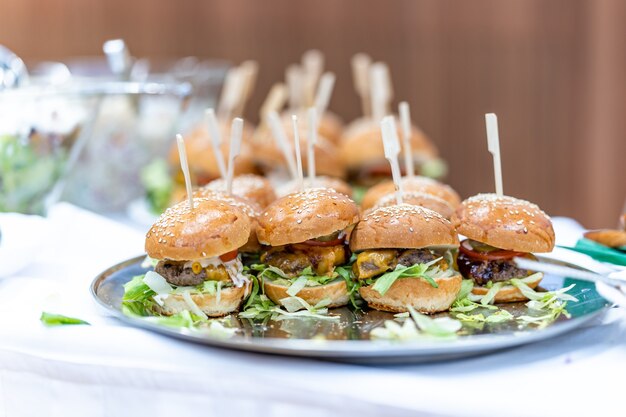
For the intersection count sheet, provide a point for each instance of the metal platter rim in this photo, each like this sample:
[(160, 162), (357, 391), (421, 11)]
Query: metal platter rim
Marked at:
[(347, 349)]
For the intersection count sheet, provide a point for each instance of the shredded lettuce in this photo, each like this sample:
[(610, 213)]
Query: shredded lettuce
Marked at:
[(260, 307), (149, 262), (297, 285), (491, 294), (353, 286), (157, 283), (159, 185), (416, 327), (499, 316), (552, 304), (50, 319), (385, 281), (138, 298), (183, 319), (464, 302)]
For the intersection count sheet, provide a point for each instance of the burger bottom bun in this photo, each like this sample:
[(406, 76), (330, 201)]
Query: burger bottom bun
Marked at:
[(416, 293), (337, 291), (508, 293), (230, 300)]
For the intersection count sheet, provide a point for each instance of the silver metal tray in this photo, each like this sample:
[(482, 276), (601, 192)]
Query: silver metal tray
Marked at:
[(347, 339)]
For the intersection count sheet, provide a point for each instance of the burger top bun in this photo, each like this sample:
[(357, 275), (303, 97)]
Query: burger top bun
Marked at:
[(305, 215), (416, 183), (319, 182), (361, 144), (249, 208), (417, 198), (506, 223), (402, 226), (201, 158), (269, 156), (329, 125), (211, 228), (252, 187)]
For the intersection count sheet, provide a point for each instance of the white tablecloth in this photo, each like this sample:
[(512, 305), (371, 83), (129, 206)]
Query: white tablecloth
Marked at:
[(109, 369)]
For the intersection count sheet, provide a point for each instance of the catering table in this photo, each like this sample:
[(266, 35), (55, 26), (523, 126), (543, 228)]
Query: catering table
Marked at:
[(110, 369)]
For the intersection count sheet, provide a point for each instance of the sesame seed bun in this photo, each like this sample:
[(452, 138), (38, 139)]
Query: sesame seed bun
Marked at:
[(508, 293), (417, 198), (320, 182), (506, 223), (201, 158), (404, 226), (365, 136), (249, 208), (329, 125), (269, 157), (252, 187), (230, 300), (416, 183), (211, 229), (416, 293), (336, 291), (610, 238), (306, 215)]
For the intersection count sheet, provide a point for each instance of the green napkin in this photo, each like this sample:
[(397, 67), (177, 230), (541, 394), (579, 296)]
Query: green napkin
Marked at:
[(599, 252)]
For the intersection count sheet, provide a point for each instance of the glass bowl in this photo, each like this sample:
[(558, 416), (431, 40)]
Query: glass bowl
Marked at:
[(83, 141), (41, 130)]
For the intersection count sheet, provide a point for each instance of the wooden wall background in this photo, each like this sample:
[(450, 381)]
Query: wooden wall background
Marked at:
[(553, 71)]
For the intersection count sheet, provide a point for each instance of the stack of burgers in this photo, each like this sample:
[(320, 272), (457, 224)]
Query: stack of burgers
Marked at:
[(313, 242), (316, 244)]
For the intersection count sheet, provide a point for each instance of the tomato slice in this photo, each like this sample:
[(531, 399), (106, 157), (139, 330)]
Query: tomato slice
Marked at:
[(324, 244), (499, 254), (229, 256)]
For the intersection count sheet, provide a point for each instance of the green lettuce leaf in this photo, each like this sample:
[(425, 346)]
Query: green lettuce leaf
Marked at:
[(137, 299), (416, 327), (50, 319), (385, 281), (353, 286), (159, 185)]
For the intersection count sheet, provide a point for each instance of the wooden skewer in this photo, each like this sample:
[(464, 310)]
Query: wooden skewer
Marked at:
[(296, 142), (313, 65), (275, 101), (231, 93), (405, 123), (311, 141), (275, 124), (182, 154), (295, 79), (236, 131), (360, 73), (392, 149), (250, 71), (493, 144), (379, 93), (324, 92), (216, 140)]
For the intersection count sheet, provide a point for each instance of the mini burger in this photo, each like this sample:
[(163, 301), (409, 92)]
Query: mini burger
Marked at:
[(362, 152), (202, 160), (270, 159), (404, 259), (199, 267), (249, 186), (499, 228), (416, 183), (304, 243), (248, 207), (318, 182), (417, 198)]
